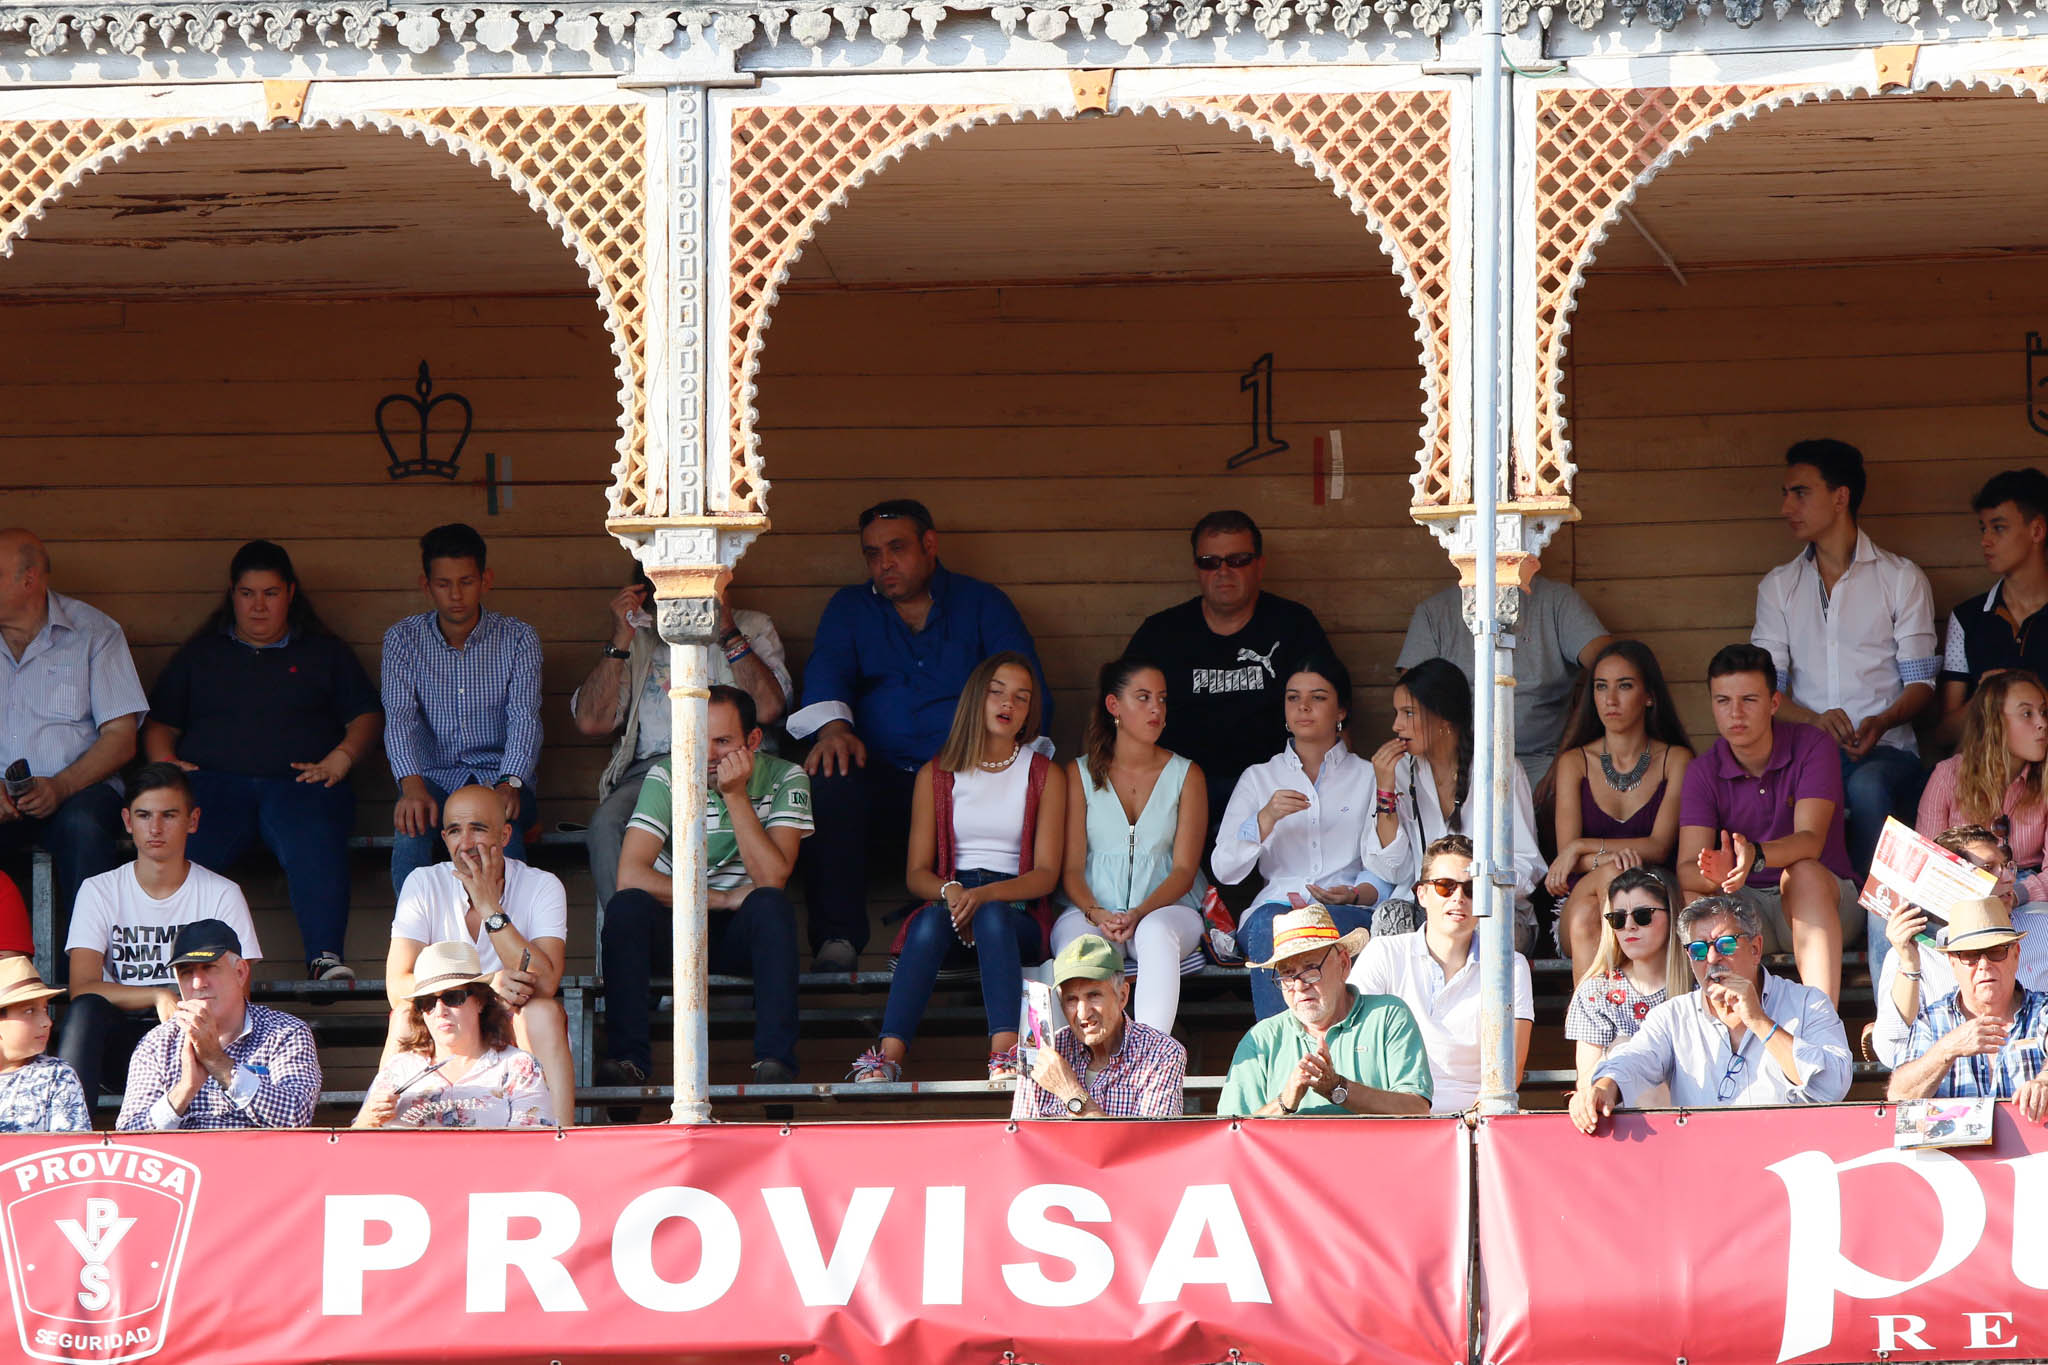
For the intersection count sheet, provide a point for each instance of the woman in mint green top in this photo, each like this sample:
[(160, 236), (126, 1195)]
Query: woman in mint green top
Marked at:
[(1135, 820)]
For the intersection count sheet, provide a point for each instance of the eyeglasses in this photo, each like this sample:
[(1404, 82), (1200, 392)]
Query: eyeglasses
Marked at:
[(1731, 1079), (1969, 957), (1446, 886), (453, 1000), (2002, 827), (1237, 559), (1642, 915), (1307, 976), (1725, 945)]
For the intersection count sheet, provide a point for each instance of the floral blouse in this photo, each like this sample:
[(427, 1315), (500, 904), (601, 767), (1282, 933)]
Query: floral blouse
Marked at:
[(43, 1096), (1607, 1010), (504, 1088)]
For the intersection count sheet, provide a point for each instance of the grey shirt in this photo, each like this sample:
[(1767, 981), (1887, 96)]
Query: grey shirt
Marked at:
[(1556, 625)]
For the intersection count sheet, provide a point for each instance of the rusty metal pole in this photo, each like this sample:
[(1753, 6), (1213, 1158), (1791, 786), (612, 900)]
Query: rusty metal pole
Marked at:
[(688, 625)]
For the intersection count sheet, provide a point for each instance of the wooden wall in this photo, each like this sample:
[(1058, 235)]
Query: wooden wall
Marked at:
[(145, 441), (1067, 437), (1684, 398)]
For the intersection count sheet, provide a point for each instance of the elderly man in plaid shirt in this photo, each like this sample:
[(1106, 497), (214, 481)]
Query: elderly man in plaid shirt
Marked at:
[(219, 1061), (1983, 1039), (1102, 1065)]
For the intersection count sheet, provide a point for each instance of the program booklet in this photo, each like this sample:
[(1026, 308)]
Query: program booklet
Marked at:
[(1912, 869), (1037, 1021), (1943, 1123)]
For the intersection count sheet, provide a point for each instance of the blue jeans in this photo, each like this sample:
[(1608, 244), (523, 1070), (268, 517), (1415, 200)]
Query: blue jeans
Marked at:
[(1005, 938), (305, 826), (757, 940), (1885, 781), (412, 851), (1255, 941), (79, 836)]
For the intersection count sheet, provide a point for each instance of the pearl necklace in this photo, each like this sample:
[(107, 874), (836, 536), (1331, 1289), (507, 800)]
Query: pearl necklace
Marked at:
[(988, 767)]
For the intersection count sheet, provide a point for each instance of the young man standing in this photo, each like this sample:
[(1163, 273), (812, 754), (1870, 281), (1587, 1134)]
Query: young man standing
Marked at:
[(1226, 653), (1761, 820), (124, 922), (884, 677), (758, 811), (2004, 628), (461, 701), (1850, 628)]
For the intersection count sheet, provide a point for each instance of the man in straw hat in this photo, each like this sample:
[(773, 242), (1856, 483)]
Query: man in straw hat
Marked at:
[(1983, 1039), (1744, 1037), (1335, 1052), (38, 1093), (1101, 1065), (220, 1061)]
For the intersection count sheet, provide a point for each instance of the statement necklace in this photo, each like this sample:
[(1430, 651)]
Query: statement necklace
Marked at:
[(1628, 781)]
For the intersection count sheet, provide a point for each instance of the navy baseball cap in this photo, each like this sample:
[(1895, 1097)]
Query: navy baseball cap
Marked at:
[(204, 940)]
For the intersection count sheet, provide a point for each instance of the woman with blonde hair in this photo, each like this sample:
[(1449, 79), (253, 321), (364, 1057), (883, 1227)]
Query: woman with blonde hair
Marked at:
[(1136, 814), (987, 830), (1638, 965)]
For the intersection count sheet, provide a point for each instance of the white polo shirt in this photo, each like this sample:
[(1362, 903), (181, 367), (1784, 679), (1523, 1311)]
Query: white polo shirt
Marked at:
[(433, 906), (1447, 1011)]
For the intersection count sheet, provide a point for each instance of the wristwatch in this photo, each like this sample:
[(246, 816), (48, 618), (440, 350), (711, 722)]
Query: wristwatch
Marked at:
[(1076, 1103), (508, 780), (1338, 1092), (611, 651), (497, 921), (1287, 1108)]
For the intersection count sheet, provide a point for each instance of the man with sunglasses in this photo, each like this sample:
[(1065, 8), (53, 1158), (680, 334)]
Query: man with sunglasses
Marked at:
[(880, 688), (1744, 1037), (1335, 1052), (1982, 1040)]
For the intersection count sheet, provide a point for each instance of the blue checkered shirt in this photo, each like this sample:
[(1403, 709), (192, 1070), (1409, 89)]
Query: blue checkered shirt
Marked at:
[(276, 1081), (1998, 1075), (1143, 1079), (455, 716)]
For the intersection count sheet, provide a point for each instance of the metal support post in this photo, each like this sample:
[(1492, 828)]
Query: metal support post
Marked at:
[(688, 624)]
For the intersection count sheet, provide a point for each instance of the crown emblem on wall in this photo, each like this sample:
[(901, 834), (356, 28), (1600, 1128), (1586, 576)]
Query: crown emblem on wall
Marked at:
[(414, 430)]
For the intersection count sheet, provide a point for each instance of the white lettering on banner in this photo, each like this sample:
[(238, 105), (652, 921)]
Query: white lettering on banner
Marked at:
[(823, 1284), (494, 1253), (1984, 1332), (1090, 1255), (633, 1249), (2029, 1202), (1212, 1209), (1816, 1269), (945, 1244), (347, 1253), (120, 1163), (1893, 1328)]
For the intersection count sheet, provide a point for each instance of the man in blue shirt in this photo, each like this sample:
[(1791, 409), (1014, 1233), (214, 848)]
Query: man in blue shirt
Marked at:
[(883, 681), (70, 703), (461, 701)]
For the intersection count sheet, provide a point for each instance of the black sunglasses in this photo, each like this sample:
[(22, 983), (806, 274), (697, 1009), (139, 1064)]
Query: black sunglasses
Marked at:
[(452, 999), (1642, 915), (1237, 560)]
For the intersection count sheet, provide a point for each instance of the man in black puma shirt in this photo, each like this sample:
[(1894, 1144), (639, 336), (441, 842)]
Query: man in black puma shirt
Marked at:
[(1226, 654)]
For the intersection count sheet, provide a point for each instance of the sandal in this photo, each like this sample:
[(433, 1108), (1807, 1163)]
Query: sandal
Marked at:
[(1002, 1066), (872, 1066)]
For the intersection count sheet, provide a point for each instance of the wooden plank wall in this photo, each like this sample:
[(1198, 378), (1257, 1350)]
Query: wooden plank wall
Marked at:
[(145, 441), (1066, 438), (1683, 400)]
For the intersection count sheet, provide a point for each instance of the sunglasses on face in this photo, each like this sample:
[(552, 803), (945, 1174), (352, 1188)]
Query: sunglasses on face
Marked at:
[(1725, 945), (1642, 915), (1970, 957), (451, 999), (1447, 887), (1238, 559)]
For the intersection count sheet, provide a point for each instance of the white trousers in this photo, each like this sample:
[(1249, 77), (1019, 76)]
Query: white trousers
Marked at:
[(1157, 945)]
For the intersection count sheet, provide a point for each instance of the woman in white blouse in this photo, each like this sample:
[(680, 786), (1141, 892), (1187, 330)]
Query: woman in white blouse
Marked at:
[(1422, 789), (1298, 817)]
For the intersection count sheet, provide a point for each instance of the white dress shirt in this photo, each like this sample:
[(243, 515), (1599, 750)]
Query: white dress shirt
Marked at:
[(1422, 822), (1447, 1010), (1856, 648), (1937, 979), (1682, 1044), (1318, 845)]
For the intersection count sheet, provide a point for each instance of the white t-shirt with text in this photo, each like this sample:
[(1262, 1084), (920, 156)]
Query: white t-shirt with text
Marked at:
[(115, 916)]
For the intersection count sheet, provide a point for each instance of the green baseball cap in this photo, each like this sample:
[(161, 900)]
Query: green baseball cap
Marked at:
[(1091, 957)]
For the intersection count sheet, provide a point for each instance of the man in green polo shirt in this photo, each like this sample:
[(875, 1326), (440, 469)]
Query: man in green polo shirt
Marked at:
[(756, 814), (1334, 1053)]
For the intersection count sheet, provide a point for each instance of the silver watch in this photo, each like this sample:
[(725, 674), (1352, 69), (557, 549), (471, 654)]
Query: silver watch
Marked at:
[(1338, 1093), (1075, 1104)]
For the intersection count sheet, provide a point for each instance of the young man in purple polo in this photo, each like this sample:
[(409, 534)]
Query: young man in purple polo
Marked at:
[(1761, 820)]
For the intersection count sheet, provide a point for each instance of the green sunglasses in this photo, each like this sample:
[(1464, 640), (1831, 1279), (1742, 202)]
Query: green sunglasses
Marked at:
[(1725, 945)]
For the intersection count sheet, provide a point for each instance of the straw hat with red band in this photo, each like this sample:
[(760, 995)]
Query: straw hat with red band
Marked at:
[(1310, 930), (20, 983)]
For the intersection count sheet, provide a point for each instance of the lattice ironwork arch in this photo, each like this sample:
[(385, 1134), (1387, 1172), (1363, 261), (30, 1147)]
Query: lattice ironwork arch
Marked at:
[(580, 167), (1387, 155), (1600, 149)]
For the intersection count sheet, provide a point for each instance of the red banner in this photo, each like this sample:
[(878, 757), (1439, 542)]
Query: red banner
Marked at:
[(1759, 1235), (1278, 1242)]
